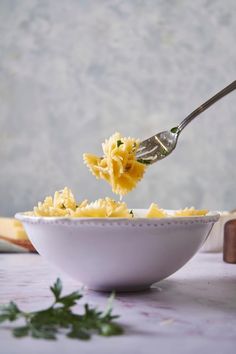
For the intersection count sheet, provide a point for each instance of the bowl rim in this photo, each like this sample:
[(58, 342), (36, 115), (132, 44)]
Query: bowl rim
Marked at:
[(170, 220)]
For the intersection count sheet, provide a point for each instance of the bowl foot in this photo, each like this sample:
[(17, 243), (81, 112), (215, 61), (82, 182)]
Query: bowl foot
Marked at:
[(120, 289)]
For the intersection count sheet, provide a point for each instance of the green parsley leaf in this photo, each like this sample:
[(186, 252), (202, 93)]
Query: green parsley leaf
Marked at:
[(174, 130), (43, 332), (9, 312), (164, 152), (59, 318), (70, 300), (56, 288), (145, 162), (110, 329), (78, 333), (21, 331), (119, 142)]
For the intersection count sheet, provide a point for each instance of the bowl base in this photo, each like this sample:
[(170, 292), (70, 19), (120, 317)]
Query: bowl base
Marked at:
[(120, 289)]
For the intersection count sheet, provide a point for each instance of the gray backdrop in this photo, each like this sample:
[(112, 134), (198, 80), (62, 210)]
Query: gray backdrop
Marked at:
[(73, 72)]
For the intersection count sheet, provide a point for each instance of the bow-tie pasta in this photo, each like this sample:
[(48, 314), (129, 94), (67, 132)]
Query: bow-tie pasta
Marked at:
[(191, 212), (155, 212), (64, 204), (104, 208), (118, 165)]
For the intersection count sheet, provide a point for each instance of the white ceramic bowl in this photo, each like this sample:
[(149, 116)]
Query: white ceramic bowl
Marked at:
[(118, 254)]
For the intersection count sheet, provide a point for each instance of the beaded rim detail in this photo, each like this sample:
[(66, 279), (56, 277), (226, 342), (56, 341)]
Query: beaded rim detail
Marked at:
[(118, 222)]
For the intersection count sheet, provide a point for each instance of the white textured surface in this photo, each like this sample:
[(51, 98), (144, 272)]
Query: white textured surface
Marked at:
[(73, 72), (194, 311)]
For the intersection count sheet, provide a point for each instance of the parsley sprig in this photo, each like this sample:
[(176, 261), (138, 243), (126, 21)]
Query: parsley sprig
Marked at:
[(59, 318), (174, 130), (119, 143), (145, 162)]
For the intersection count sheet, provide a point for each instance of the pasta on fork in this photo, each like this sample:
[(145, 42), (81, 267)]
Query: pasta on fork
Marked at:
[(118, 165)]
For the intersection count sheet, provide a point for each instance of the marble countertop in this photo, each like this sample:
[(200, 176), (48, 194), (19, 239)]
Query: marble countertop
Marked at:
[(193, 311)]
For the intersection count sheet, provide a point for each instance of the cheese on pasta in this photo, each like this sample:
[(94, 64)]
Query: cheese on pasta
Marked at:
[(118, 166)]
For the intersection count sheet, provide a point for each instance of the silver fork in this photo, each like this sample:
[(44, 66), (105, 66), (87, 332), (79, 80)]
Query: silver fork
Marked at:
[(162, 144)]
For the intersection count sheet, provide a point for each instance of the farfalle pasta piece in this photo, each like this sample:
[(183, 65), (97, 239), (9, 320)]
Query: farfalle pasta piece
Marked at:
[(103, 208), (62, 204), (155, 212), (118, 166), (64, 199), (191, 212)]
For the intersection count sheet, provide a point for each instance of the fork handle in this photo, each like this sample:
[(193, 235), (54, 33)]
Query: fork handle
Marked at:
[(206, 105)]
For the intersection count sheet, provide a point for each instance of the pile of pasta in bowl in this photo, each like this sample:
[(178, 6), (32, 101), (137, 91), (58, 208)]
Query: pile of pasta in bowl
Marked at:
[(64, 204)]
